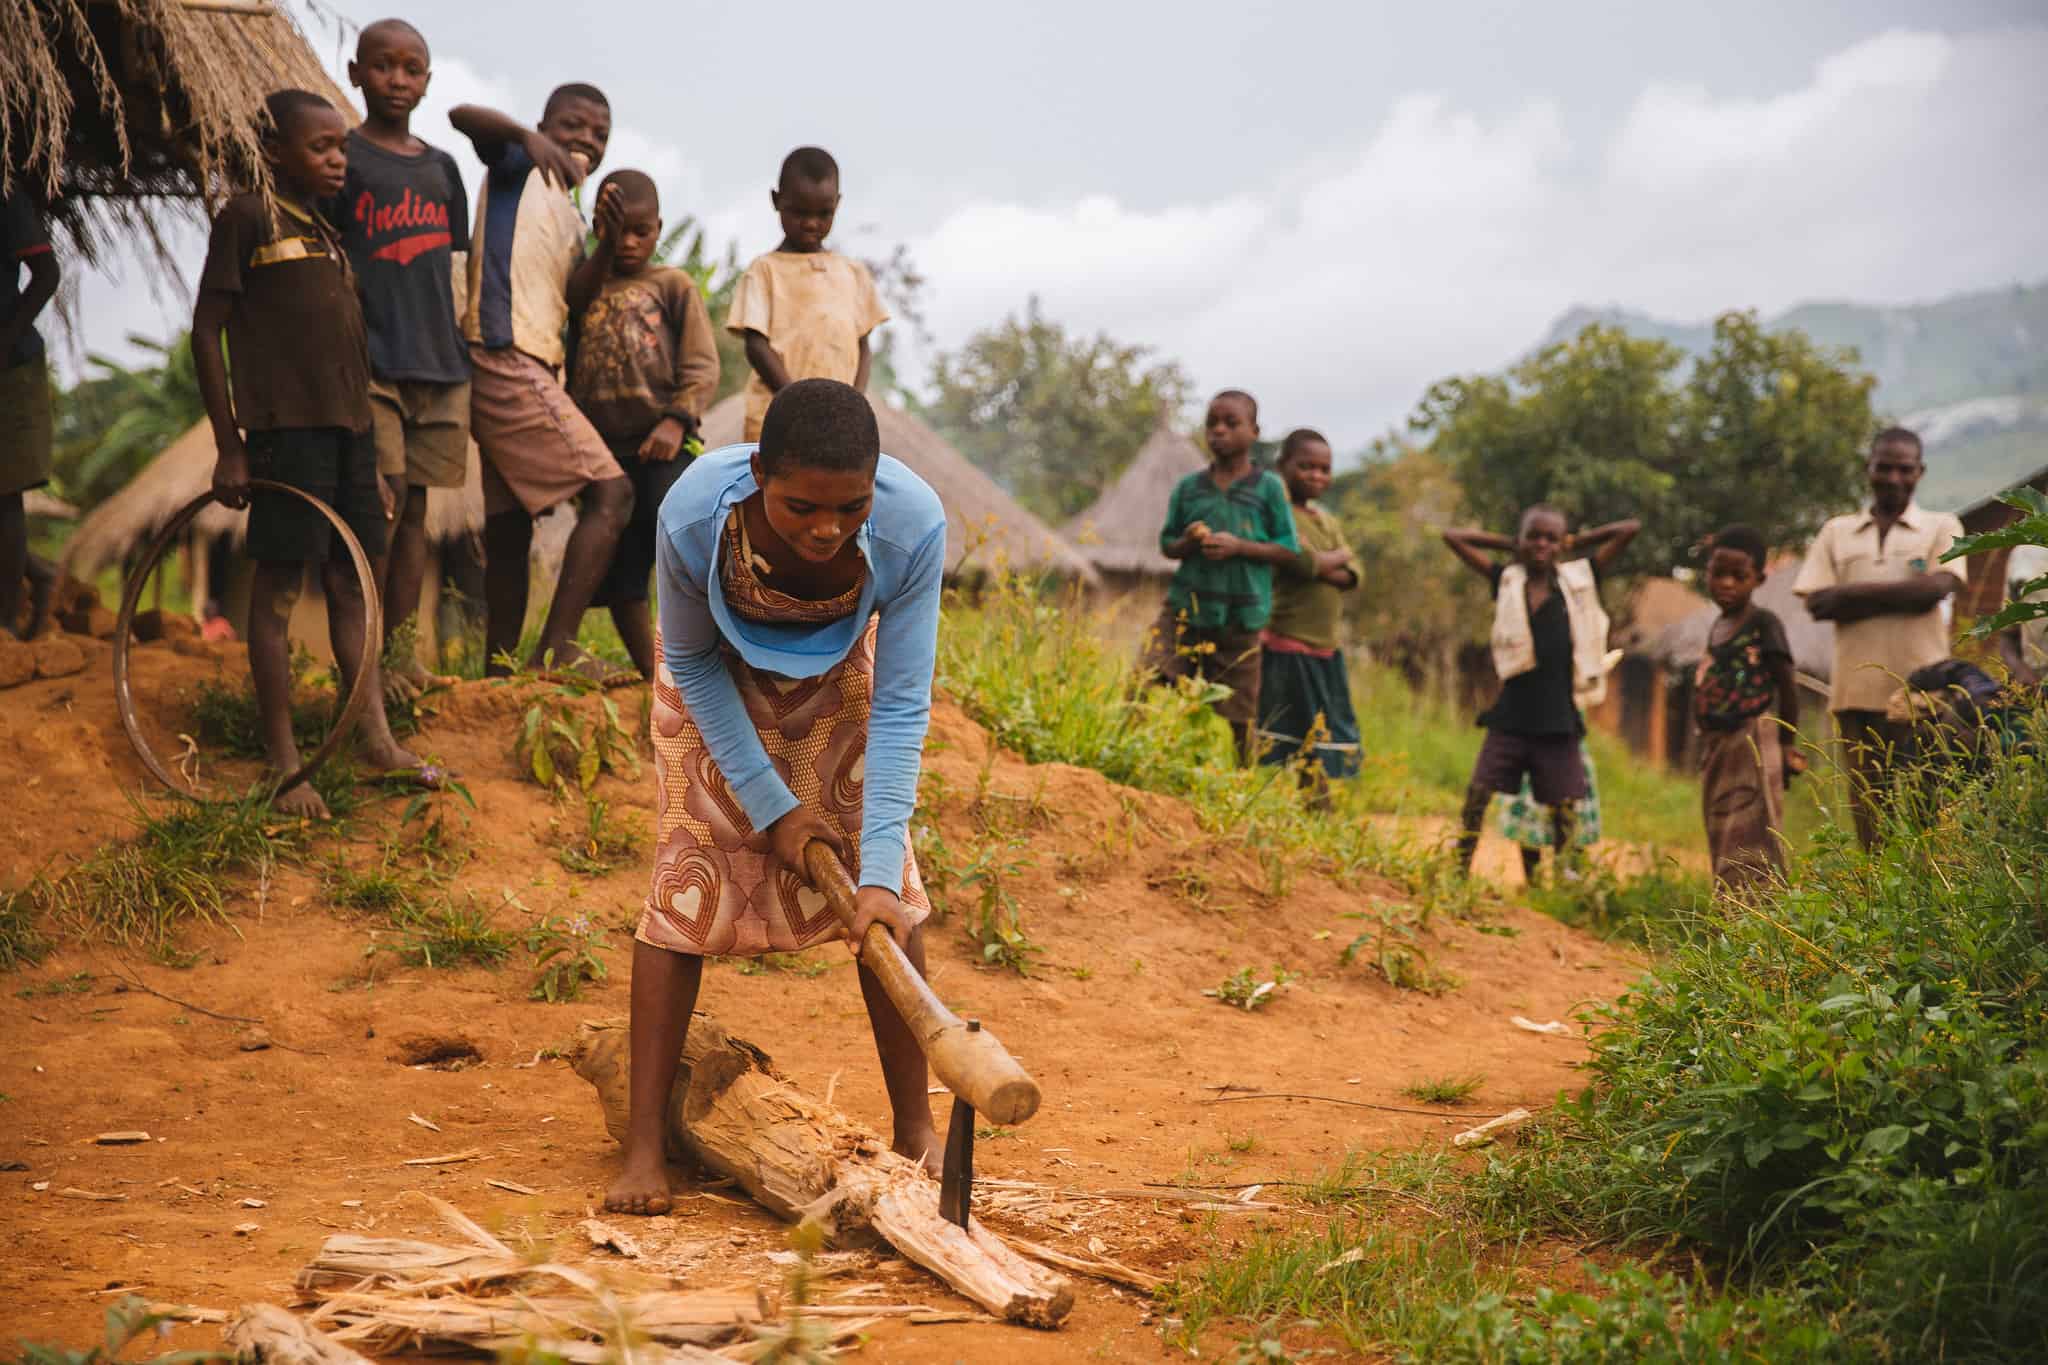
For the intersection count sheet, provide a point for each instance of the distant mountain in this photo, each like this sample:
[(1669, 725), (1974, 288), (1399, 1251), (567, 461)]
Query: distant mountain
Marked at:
[(1970, 373)]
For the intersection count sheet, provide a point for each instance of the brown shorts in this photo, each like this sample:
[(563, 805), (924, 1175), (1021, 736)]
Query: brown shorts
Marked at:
[(24, 426), (1552, 763), (422, 431), (539, 450)]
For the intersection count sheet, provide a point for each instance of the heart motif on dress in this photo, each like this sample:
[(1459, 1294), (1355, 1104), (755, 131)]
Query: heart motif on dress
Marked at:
[(810, 914)]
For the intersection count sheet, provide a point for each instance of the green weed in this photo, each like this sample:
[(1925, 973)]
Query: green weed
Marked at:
[(804, 965), (1245, 989), (1444, 1089), (78, 983), (1648, 908), (604, 846), (126, 1321), (1393, 947), (565, 958), (560, 745), (21, 943), (445, 935)]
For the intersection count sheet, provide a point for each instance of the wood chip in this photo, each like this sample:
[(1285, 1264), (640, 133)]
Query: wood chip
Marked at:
[(1554, 1028), (182, 1312), (73, 1192), (121, 1139), (428, 1124), (1485, 1132), (244, 1229), (1101, 1268), (512, 1185), (471, 1155), (40, 1185), (605, 1237), (935, 1319), (351, 1203), (254, 1204)]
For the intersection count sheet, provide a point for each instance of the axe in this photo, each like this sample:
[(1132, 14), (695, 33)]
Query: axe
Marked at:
[(967, 1059)]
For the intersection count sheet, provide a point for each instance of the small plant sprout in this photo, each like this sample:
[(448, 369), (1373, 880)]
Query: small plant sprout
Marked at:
[(1444, 1089), (1246, 990), (559, 745), (565, 957)]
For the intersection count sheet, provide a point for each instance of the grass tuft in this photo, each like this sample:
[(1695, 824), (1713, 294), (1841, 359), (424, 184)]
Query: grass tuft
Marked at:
[(1444, 1089)]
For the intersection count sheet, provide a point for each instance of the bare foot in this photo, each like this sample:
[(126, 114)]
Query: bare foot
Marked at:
[(399, 690), (923, 1148), (389, 757), (300, 802), (642, 1187)]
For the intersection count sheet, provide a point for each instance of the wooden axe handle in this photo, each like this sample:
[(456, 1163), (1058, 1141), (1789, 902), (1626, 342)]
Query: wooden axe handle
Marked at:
[(970, 1062)]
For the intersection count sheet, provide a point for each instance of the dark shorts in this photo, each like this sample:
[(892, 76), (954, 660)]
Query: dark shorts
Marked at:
[(335, 465), (1552, 764), (632, 567), (1218, 654)]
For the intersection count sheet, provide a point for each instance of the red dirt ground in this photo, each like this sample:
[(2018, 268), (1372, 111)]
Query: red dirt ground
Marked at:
[(1113, 1024)]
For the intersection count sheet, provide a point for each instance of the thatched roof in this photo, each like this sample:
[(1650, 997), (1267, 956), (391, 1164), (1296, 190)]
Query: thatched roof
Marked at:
[(1813, 642), (1120, 533), (126, 521), (117, 110), (1654, 605), (986, 528)]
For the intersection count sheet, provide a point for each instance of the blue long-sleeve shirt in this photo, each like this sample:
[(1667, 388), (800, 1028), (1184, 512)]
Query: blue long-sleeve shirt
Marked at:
[(904, 543)]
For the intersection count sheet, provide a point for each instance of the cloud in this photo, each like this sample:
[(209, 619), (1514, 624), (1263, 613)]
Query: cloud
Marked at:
[(1907, 166)]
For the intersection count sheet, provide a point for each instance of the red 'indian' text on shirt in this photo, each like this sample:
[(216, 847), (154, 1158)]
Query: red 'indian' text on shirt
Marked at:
[(410, 211)]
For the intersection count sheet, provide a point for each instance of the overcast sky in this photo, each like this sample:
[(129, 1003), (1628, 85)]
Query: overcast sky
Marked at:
[(1331, 205)]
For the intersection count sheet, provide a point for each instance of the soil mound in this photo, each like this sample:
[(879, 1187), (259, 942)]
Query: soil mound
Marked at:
[(1135, 908)]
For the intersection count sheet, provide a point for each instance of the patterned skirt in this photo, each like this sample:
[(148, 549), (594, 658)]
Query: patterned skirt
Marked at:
[(715, 892), (1524, 822)]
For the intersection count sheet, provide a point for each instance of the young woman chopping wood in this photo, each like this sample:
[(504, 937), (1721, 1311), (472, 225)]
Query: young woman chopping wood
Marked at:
[(798, 592)]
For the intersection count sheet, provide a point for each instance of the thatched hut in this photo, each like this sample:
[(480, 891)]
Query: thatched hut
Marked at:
[(1119, 535), (986, 528), (120, 111)]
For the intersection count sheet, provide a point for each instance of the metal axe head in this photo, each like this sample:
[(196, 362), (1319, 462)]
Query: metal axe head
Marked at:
[(956, 1176)]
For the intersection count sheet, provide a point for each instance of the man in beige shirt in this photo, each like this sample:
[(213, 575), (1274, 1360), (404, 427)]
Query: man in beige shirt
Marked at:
[(804, 312), (1877, 575)]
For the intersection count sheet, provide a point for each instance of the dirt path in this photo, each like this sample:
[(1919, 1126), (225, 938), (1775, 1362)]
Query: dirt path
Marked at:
[(1113, 1023)]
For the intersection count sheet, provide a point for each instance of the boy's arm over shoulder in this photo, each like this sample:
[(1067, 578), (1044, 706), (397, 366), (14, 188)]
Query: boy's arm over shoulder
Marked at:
[(458, 202)]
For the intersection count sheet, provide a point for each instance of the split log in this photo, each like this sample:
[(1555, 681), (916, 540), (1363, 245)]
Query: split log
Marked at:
[(267, 1335), (387, 1324), (738, 1117)]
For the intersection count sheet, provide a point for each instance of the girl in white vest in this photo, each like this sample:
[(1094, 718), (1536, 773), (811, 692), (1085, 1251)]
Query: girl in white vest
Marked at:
[(1550, 650)]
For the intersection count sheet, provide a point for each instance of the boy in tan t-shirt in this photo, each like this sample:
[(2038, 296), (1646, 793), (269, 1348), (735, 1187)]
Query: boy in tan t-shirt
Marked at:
[(805, 312)]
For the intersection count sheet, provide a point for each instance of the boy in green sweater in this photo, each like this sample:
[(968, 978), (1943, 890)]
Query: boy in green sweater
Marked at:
[(1229, 527)]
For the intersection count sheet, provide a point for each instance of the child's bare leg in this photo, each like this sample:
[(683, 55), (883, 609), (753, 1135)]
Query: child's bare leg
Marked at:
[(664, 993), (13, 556), (600, 520), (1532, 859), (1471, 820), (904, 1072), (1563, 829), (635, 622), (404, 573), (272, 594), (508, 540), (347, 620)]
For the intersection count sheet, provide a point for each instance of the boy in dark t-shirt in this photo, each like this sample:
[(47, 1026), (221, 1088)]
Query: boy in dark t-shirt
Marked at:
[(646, 368), (1549, 647), (403, 214), (277, 282), (1746, 756)]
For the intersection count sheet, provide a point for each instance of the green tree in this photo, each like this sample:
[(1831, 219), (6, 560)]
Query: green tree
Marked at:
[(1766, 428), (112, 423), (1054, 418)]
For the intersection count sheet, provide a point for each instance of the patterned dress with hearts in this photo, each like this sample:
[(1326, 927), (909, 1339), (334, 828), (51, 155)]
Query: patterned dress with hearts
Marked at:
[(715, 891)]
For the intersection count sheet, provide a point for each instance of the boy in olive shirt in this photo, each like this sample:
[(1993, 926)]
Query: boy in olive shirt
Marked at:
[(1304, 691), (1228, 525)]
